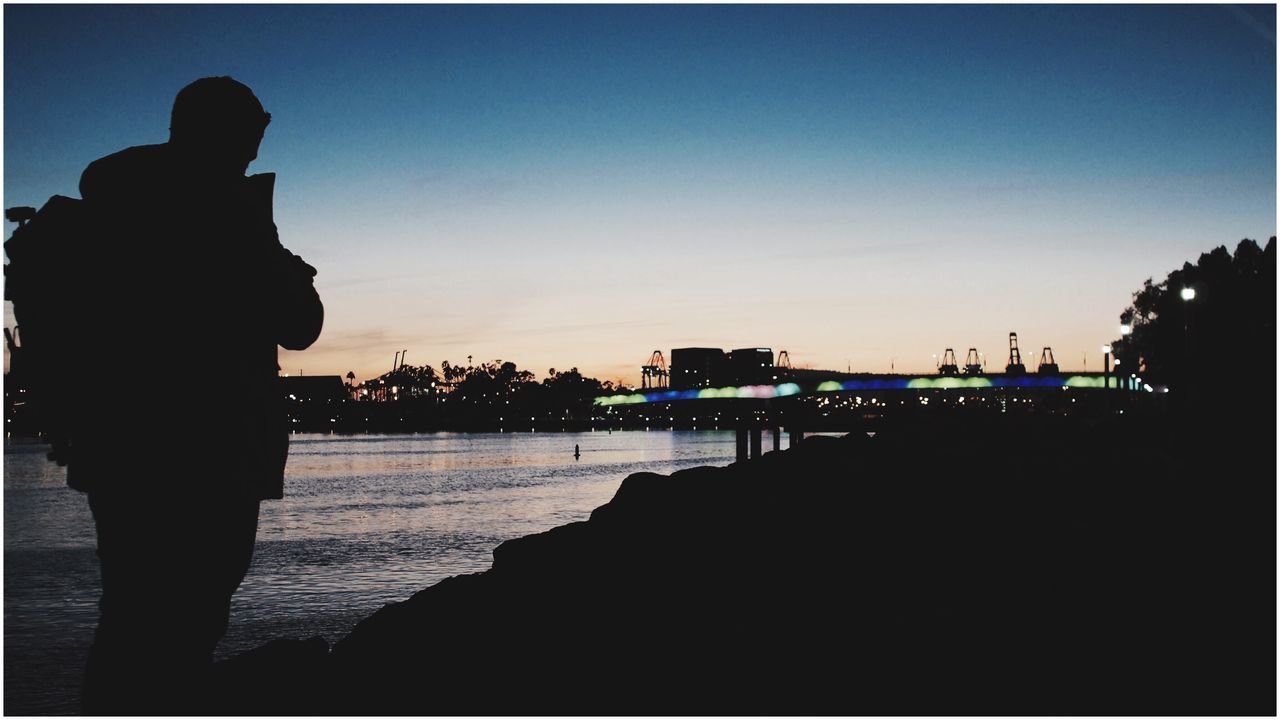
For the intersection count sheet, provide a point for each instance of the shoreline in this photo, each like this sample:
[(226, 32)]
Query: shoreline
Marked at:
[(897, 574)]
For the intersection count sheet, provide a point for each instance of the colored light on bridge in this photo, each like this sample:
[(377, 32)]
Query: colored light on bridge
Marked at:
[(673, 395), (1029, 381), (759, 392), (621, 399), (895, 384), (948, 383), (786, 389), (765, 392)]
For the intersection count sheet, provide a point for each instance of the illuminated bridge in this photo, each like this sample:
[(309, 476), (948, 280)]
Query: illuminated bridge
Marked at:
[(884, 382), (840, 404)]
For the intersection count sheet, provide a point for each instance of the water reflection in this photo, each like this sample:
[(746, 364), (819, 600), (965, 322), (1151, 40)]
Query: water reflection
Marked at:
[(366, 520)]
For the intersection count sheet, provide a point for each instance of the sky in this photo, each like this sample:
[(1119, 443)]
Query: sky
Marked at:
[(558, 186)]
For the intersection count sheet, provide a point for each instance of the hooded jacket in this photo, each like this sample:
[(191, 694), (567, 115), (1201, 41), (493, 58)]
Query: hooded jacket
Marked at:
[(192, 294)]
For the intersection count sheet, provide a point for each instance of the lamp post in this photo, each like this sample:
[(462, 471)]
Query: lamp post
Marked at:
[(1106, 366), (1188, 294), (1125, 331)]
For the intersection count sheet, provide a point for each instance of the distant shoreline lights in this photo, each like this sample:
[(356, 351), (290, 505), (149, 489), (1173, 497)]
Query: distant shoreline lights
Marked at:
[(766, 392)]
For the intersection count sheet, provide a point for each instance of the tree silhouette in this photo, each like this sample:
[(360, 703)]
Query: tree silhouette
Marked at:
[(488, 396), (1229, 325)]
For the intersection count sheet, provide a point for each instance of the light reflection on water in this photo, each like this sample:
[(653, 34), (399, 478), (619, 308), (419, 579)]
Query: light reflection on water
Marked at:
[(366, 520)]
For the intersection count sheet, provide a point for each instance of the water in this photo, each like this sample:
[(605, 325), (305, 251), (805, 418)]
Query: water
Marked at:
[(366, 520)]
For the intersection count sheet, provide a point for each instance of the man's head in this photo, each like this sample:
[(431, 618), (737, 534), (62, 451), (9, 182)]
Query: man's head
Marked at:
[(218, 122)]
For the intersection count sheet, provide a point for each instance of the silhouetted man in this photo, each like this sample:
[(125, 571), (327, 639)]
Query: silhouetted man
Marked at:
[(186, 293)]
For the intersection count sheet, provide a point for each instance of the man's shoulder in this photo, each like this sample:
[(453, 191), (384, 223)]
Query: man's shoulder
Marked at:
[(127, 168)]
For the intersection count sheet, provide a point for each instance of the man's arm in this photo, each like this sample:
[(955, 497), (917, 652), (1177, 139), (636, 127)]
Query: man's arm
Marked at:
[(300, 314)]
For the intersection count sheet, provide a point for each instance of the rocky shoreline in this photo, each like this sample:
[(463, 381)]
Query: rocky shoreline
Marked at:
[(1060, 566)]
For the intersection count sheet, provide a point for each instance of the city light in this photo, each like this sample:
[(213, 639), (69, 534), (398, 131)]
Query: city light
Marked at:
[(1188, 293), (765, 392)]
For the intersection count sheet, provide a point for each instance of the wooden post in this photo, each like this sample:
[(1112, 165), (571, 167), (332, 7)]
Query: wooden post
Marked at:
[(795, 436), (755, 441), (777, 438), (742, 443)]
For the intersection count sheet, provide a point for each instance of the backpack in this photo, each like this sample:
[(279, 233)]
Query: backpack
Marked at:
[(43, 290)]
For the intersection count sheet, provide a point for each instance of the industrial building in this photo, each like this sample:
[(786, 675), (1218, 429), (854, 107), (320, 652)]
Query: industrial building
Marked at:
[(693, 368)]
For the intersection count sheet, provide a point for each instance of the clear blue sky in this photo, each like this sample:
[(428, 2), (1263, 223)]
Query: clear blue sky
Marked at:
[(579, 185)]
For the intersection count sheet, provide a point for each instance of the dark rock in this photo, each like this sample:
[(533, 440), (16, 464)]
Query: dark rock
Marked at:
[(283, 677), (1053, 567)]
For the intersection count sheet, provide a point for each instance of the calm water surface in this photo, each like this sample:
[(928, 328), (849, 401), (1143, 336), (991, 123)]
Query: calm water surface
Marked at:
[(366, 520)]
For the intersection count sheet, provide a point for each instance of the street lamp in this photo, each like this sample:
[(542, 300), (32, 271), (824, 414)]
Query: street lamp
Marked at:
[(1126, 328), (1188, 294), (1106, 366)]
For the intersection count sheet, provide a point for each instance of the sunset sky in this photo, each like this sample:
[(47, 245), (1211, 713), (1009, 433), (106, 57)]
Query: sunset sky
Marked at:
[(578, 185)]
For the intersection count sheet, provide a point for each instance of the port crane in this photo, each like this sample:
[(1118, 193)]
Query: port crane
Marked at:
[(949, 366), (654, 374), (1015, 366), (1047, 364)]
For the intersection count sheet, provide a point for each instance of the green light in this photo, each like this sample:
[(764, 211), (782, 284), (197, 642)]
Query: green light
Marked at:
[(786, 389), (620, 399), (948, 383), (919, 383)]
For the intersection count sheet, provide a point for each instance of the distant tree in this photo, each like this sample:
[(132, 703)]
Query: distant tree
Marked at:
[(1228, 329), (405, 382), (452, 373), (487, 396), (420, 379)]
